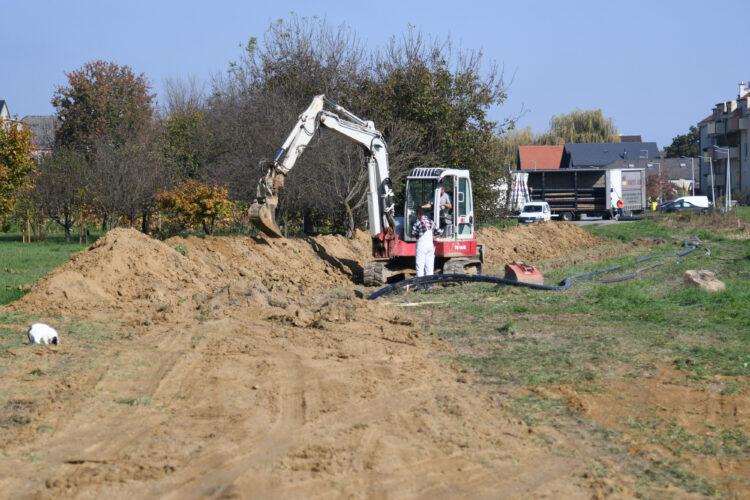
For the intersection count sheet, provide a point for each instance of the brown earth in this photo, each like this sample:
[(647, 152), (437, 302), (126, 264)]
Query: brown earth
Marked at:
[(238, 367)]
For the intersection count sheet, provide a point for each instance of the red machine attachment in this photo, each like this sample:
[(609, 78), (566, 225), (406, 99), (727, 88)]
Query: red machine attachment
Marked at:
[(519, 271)]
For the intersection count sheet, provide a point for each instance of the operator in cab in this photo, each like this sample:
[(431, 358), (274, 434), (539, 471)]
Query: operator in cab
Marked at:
[(444, 205)]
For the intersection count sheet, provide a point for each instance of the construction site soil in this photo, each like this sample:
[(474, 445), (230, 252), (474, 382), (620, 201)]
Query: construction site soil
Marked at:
[(232, 367)]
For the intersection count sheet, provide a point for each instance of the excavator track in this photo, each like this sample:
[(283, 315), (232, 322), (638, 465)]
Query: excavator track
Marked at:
[(462, 266), (375, 273)]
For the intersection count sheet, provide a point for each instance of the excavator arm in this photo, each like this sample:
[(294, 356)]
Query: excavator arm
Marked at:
[(380, 199)]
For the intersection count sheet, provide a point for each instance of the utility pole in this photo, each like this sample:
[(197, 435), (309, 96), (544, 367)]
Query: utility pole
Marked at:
[(728, 189)]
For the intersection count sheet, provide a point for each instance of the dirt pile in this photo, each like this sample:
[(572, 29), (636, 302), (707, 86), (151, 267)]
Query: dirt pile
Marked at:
[(128, 271), (533, 242)]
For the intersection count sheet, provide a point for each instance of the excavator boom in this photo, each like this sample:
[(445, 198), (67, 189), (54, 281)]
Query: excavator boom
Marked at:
[(380, 194)]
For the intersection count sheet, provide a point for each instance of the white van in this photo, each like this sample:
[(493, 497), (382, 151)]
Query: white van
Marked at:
[(535, 211)]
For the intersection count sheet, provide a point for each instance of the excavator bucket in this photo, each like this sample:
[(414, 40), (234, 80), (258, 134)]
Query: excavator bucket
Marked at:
[(262, 216)]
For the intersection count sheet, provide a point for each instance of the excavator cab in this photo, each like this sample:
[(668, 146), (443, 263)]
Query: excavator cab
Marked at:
[(424, 187), (456, 249)]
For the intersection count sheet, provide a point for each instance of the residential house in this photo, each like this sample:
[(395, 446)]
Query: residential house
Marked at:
[(540, 157), (724, 145), (4, 114)]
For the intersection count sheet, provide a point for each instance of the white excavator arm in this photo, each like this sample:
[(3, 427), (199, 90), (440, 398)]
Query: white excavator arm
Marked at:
[(380, 200)]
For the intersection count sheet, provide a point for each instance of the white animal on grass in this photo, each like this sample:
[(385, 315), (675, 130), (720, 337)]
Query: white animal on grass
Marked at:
[(40, 333)]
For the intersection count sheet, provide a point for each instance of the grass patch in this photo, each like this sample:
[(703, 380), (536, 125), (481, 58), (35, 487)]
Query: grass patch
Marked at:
[(663, 472), (181, 249), (675, 438), (23, 264)]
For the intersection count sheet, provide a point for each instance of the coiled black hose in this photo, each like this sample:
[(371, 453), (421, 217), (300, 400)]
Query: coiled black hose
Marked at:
[(692, 242)]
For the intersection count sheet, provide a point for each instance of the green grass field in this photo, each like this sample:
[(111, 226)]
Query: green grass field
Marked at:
[(23, 264)]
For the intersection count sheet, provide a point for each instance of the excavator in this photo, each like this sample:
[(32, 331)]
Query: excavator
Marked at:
[(393, 246)]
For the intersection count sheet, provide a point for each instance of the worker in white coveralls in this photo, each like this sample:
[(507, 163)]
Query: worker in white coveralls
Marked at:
[(423, 229)]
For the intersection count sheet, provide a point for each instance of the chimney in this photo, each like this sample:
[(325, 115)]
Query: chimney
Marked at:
[(743, 90)]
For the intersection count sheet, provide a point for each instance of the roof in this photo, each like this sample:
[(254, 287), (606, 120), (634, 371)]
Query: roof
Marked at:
[(602, 153), (540, 157), (3, 105), (43, 128), (707, 119)]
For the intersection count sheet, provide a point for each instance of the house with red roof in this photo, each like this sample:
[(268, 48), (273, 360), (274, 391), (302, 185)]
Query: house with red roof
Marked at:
[(724, 146), (540, 157)]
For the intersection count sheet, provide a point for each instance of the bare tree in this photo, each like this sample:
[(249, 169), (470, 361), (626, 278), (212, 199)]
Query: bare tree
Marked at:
[(123, 179), (183, 94), (60, 189)]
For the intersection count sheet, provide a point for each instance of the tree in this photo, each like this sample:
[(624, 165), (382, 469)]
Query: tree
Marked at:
[(255, 108), (194, 203), (123, 179), (15, 162), (580, 126), (443, 97), (102, 101), (60, 188), (430, 102), (685, 144), (659, 187), (185, 146), (509, 142)]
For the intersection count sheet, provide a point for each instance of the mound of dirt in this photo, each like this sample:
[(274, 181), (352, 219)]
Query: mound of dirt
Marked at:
[(129, 271), (533, 242)]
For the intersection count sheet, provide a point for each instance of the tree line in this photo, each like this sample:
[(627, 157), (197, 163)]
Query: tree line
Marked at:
[(194, 160)]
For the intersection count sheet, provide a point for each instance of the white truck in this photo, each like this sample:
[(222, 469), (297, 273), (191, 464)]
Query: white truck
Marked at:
[(572, 192)]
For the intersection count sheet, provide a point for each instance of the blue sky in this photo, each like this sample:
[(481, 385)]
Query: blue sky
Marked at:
[(655, 67)]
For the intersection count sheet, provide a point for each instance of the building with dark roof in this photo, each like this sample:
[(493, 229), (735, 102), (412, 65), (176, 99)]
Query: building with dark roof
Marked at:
[(4, 113), (601, 154)]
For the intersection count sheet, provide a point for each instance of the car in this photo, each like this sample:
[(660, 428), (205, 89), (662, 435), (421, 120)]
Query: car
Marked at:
[(661, 205), (535, 211), (687, 203)]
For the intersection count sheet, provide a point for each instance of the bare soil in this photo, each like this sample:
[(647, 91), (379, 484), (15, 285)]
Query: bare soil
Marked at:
[(236, 367)]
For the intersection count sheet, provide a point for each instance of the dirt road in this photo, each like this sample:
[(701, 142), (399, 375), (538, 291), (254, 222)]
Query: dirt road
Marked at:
[(237, 367)]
